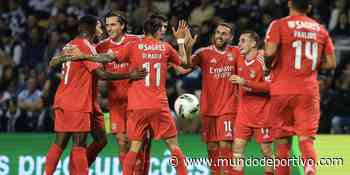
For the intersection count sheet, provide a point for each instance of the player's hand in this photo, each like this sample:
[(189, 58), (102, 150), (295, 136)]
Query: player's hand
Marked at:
[(189, 39), (138, 74), (71, 51), (237, 80), (180, 33)]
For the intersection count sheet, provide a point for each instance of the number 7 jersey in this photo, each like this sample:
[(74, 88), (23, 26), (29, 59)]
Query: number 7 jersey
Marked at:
[(302, 44), (154, 56)]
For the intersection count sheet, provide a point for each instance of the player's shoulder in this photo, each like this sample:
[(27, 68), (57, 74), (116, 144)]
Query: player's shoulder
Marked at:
[(132, 37)]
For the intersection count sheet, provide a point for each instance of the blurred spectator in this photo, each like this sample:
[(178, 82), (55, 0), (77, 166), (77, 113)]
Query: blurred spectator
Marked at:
[(53, 46), (320, 9), (34, 48), (204, 12), (15, 17), (342, 29), (340, 102), (30, 101), (227, 10), (340, 7), (181, 8), (5, 98)]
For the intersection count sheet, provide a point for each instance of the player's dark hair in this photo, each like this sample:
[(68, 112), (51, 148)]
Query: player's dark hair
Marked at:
[(152, 26), (228, 25), (301, 5), (161, 17), (254, 36), (87, 25), (120, 17)]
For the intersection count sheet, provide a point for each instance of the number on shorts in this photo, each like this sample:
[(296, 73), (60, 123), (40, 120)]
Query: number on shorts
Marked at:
[(228, 127)]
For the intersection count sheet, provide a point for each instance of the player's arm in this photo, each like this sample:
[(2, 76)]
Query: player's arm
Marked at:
[(133, 75), (180, 70), (180, 35), (260, 86), (73, 53), (329, 61), (272, 40)]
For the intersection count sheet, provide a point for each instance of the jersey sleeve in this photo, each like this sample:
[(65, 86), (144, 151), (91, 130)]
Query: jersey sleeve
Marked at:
[(173, 55), (273, 33)]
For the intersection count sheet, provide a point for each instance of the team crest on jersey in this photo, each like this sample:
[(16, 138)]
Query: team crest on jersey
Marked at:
[(230, 57), (252, 74), (140, 46), (213, 61), (240, 69)]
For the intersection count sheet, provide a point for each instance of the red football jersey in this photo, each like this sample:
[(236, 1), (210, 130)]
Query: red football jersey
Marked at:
[(254, 95), (219, 95), (302, 43), (154, 56), (76, 89), (117, 90)]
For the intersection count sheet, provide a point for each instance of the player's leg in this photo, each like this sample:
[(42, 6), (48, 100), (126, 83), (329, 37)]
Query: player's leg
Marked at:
[(214, 155), (173, 146), (224, 130), (208, 131), (145, 155), (78, 156), (264, 138), (55, 151), (238, 155), (118, 123), (164, 127), (283, 148), (99, 137), (282, 129), (138, 123), (307, 116)]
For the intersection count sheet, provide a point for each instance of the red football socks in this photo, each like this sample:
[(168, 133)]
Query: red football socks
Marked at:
[(283, 151), (227, 155), (79, 161), (308, 153), (213, 155), (92, 151), (129, 163), (122, 156), (268, 173), (237, 172), (181, 166), (52, 158)]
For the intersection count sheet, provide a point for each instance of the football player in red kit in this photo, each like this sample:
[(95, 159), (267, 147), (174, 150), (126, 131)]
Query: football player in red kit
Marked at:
[(147, 101), (219, 96), (297, 46), (254, 105), (117, 90), (73, 117)]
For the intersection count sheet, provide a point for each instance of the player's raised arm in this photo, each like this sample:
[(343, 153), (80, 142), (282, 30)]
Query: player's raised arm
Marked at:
[(180, 34)]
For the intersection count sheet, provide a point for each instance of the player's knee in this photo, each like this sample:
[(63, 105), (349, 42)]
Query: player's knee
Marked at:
[(122, 140), (303, 138), (172, 143), (266, 150), (225, 144)]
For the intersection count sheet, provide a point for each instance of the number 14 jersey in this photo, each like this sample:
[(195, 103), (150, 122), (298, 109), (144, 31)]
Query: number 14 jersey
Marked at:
[(154, 56), (302, 44)]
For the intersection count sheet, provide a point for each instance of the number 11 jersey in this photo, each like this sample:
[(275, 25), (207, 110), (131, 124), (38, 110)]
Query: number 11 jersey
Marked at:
[(302, 44), (154, 56)]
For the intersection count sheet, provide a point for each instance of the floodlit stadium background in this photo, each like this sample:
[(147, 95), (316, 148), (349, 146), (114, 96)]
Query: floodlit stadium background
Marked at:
[(32, 31)]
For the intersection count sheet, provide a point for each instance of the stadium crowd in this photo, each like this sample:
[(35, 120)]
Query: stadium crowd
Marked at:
[(33, 31)]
